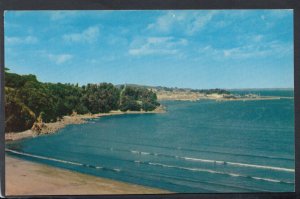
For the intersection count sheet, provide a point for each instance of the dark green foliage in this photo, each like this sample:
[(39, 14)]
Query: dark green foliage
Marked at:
[(129, 104), (137, 98), (149, 100), (205, 91), (67, 98), (27, 99), (16, 81), (101, 98), (149, 106), (38, 98), (217, 90), (129, 99), (18, 117)]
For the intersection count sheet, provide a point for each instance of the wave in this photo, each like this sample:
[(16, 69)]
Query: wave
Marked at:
[(261, 167), (200, 150), (220, 162), (166, 179), (210, 183), (218, 172), (44, 158), (239, 154), (193, 159), (240, 164), (141, 152), (62, 161), (193, 169)]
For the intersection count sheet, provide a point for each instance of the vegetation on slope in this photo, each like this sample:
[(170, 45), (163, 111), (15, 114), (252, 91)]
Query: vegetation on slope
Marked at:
[(27, 100)]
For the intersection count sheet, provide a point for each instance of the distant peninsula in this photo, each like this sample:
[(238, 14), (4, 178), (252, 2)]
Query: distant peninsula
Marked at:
[(187, 94)]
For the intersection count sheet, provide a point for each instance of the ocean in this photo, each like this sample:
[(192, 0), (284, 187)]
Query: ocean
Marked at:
[(195, 147)]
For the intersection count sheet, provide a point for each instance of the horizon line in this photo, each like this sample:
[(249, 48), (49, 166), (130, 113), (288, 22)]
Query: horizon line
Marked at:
[(137, 84)]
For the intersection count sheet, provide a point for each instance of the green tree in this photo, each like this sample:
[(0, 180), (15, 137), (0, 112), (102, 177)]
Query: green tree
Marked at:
[(26, 99), (18, 117), (137, 98)]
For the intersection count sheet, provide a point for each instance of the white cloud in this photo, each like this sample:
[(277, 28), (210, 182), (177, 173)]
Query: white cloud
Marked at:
[(275, 49), (88, 35), (60, 58), (198, 22), (251, 51), (20, 40), (258, 38), (243, 52), (164, 22), (156, 45), (58, 15), (251, 38), (188, 21)]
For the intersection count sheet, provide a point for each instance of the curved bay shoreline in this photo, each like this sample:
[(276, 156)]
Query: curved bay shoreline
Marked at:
[(49, 128), (48, 180), (115, 113)]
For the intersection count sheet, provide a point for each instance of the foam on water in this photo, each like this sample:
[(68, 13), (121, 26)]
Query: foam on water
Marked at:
[(220, 162), (61, 161), (193, 147), (219, 172), (149, 163), (201, 150)]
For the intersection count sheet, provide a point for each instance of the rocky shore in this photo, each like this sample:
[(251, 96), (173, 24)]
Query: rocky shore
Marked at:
[(41, 128)]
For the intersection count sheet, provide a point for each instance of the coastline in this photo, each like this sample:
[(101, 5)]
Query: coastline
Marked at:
[(27, 178), (49, 128), (190, 96)]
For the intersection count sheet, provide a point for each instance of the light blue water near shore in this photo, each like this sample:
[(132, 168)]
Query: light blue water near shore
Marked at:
[(203, 146)]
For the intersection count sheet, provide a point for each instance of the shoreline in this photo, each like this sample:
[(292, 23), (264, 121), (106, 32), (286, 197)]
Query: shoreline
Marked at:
[(49, 128), (217, 97), (28, 178), (53, 127)]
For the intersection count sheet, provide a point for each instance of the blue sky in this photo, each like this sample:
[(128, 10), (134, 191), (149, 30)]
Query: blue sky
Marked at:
[(190, 49)]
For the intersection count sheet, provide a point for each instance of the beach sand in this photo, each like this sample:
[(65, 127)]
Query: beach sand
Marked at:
[(27, 178), (194, 96)]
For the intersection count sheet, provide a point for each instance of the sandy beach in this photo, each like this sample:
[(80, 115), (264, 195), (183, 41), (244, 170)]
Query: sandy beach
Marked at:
[(27, 178), (48, 128)]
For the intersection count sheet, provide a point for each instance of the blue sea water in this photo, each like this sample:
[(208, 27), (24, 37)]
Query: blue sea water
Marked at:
[(195, 147)]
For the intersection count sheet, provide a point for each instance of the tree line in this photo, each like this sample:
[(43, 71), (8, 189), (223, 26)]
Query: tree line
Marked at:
[(27, 99)]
